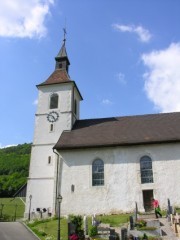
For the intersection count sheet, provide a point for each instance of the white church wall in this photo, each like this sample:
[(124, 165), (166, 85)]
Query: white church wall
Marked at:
[(78, 99), (42, 196), (122, 186), (41, 181), (41, 165), (44, 135), (166, 173)]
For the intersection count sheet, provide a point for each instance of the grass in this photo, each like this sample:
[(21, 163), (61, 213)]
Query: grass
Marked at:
[(11, 208), (114, 220), (47, 229), (178, 209)]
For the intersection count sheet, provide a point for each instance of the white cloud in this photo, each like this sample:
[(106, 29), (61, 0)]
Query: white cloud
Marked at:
[(35, 102), (106, 102), (162, 80), (20, 18), (143, 34), (121, 78), (11, 145)]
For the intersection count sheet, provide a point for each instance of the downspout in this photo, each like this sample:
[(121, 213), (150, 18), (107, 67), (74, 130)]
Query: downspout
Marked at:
[(72, 108), (57, 179)]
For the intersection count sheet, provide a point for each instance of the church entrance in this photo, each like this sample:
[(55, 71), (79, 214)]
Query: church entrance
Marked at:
[(147, 200)]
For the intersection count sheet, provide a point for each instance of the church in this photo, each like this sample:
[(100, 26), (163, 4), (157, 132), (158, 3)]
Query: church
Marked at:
[(103, 165)]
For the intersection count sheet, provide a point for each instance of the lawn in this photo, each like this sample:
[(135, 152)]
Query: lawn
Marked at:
[(11, 208), (47, 229), (115, 220)]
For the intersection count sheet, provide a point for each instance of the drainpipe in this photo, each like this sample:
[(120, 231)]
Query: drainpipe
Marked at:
[(57, 178)]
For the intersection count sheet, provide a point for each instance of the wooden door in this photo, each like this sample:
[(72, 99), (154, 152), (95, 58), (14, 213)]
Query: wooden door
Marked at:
[(147, 200)]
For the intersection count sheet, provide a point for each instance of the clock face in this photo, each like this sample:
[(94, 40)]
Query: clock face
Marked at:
[(52, 116)]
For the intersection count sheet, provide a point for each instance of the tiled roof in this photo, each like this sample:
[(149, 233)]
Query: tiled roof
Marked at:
[(58, 76), (122, 131)]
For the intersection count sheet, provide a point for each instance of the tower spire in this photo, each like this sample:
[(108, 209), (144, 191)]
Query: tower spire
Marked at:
[(62, 61)]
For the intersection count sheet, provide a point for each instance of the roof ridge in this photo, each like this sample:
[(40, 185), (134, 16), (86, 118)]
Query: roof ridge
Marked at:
[(129, 116)]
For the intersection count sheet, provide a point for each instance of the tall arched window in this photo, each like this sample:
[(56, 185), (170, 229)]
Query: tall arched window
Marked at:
[(98, 172), (54, 101), (146, 170)]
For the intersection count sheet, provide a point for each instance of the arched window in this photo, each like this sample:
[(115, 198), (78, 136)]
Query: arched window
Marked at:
[(146, 170), (54, 101), (98, 172)]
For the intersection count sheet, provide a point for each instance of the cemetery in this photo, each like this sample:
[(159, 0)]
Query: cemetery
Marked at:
[(139, 227), (136, 226)]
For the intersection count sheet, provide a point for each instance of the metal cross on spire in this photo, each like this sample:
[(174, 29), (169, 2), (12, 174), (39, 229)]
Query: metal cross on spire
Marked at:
[(64, 29)]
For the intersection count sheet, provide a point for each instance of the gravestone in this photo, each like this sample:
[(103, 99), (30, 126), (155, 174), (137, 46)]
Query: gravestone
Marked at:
[(169, 210), (131, 222), (71, 228), (85, 224), (136, 211), (112, 235), (123, 233)]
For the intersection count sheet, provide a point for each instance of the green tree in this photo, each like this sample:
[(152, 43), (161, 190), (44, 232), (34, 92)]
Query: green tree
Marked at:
[(14, 168)]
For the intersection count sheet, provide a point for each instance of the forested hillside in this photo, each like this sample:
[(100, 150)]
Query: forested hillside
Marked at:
[(14, 167)]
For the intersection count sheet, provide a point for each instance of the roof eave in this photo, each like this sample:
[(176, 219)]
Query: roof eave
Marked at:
[(65, 82), (114, 145)]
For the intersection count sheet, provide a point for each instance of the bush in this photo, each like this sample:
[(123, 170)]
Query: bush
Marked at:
[(78, 221), (93, 231), (40, 232)]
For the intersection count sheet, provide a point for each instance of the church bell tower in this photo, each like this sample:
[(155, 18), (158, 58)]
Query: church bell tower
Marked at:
[(57, 110)]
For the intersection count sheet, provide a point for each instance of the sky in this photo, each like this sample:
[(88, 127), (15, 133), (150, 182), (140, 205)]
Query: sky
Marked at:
[(124, 55)]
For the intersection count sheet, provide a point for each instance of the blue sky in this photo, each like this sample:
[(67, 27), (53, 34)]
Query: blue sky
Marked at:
[(124, 55)]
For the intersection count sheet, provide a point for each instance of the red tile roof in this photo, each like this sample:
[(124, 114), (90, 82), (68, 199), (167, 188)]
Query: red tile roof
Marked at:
[(122, 131), (58, 76)]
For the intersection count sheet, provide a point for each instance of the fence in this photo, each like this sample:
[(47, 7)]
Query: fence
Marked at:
[(11, 211)]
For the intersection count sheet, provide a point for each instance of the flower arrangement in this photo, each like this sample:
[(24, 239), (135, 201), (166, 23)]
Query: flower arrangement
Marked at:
[(140, 223)]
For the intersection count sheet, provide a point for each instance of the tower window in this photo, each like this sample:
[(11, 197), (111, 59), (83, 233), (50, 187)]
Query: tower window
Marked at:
[(54, 101), (98, 173), (51, 127), (75, 106), (146, 170)]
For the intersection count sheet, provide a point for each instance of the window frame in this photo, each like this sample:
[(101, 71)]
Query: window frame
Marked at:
[(146, 170)]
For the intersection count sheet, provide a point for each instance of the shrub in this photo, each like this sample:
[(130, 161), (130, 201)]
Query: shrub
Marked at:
[(93, 231), (78, 221), (40, 232)]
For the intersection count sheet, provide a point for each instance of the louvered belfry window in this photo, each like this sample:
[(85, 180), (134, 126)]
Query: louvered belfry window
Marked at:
[(98, 173), (146, 169), (54, 101)]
